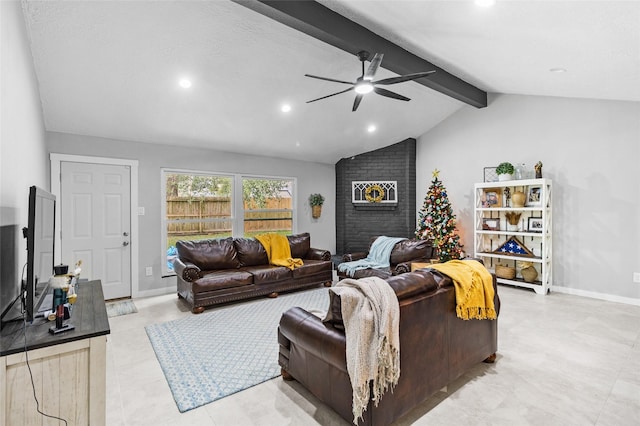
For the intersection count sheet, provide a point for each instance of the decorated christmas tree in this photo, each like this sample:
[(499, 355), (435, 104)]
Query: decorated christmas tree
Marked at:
[(438, 223)]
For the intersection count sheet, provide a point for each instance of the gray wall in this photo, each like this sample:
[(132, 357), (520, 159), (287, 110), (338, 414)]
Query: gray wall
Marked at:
[(355, 225), (311, 178), (23, 159), (591, 150)]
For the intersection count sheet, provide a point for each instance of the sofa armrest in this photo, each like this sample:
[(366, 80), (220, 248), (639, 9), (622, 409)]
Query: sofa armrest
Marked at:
[(306, 331), (404, 267), (350, 257), (318, 254), (401, 268), (187, 271)]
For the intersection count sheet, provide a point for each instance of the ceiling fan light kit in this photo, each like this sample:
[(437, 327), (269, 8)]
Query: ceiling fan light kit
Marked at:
[(363, 88), (365, 83)]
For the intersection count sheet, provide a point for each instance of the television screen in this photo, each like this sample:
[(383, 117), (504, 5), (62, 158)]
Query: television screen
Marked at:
[(40, 248)]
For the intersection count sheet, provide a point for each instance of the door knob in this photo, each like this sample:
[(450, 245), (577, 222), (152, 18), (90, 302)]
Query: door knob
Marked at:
[(126, 234), (125, 243)]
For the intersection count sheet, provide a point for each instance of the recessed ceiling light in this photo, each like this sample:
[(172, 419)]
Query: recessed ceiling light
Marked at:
[(485, 3), (557, 70), (371, 128), (285, 108), (185, 83)]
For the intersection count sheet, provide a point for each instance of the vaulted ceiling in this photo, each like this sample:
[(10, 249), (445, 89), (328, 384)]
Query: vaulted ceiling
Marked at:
[(111, 68)]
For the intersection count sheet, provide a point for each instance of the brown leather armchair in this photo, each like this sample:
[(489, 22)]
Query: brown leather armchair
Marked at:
[(436, 347)]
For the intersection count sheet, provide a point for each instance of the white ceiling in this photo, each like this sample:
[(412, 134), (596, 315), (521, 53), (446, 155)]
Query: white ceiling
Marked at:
[(110, 69)]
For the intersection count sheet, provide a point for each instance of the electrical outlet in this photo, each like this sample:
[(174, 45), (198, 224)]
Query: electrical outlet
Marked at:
[(140, 211), (636, 277), (149, 271)]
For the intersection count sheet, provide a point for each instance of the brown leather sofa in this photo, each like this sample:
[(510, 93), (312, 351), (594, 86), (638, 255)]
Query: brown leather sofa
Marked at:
[(435, 348), (217, 271), (403, 254)]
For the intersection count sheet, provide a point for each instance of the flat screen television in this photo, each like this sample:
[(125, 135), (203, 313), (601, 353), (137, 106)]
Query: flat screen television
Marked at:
[(40, 249)]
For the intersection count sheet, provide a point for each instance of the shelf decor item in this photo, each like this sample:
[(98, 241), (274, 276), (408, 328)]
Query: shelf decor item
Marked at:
[(534, 224), (490, 224), (505, 272), (513, 218), (533, 196), (492, 197), (505, 171), (528, 271), (490, 174), (513, 247), (518, 199), (538, 169), (316, 201)]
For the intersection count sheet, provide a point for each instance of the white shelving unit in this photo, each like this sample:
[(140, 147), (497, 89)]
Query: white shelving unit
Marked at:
[(491, 206)]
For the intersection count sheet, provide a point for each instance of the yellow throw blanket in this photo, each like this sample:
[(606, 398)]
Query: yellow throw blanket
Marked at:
[(474, 288), (278, 250)]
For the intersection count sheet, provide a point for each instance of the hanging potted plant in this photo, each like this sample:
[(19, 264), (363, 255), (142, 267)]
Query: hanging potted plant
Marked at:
[(316, 201), (505, 171)]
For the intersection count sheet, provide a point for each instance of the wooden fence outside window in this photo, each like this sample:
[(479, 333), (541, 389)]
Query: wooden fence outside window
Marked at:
[(212, 215)]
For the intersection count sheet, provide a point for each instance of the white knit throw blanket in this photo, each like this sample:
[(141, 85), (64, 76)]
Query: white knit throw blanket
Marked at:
[(371, 316)]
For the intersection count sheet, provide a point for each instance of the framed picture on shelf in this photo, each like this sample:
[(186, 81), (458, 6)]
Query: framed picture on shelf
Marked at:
[(534, 224), (533, 196), (492, 197), (490, 224), (490, 174)]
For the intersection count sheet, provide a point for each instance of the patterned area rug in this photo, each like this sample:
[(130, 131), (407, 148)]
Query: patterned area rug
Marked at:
[(225, 350), (121, 307)]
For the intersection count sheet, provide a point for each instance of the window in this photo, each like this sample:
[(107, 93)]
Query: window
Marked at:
[(267, 206), (207, 205)]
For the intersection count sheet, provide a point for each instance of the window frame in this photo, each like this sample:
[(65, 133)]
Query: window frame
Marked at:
[(237, 204), (293, 200)]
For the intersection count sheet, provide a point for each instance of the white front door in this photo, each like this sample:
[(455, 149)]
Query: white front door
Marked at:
[(95, 209)]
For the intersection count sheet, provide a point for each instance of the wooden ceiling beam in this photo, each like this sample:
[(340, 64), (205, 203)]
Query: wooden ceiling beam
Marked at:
[(322, 23)]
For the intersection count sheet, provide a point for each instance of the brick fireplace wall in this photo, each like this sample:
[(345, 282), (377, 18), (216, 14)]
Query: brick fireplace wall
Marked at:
[(355, 225)]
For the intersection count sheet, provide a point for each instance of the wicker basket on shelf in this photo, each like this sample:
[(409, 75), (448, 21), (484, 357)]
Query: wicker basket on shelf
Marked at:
[(505, 272)]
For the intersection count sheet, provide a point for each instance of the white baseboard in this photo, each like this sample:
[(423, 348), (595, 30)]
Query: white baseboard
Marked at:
[(594, 295), (155, 292)]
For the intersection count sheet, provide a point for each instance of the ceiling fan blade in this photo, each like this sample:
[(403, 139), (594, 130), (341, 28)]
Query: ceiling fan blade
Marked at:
[(328, 96), (328, 79), (356, 103), (400, 79), (390, 94), (373, 67)]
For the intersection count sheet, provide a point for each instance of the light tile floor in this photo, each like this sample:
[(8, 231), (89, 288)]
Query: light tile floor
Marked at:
[(562, 360)]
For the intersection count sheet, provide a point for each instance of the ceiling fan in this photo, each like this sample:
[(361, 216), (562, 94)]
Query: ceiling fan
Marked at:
[(365, 83)]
